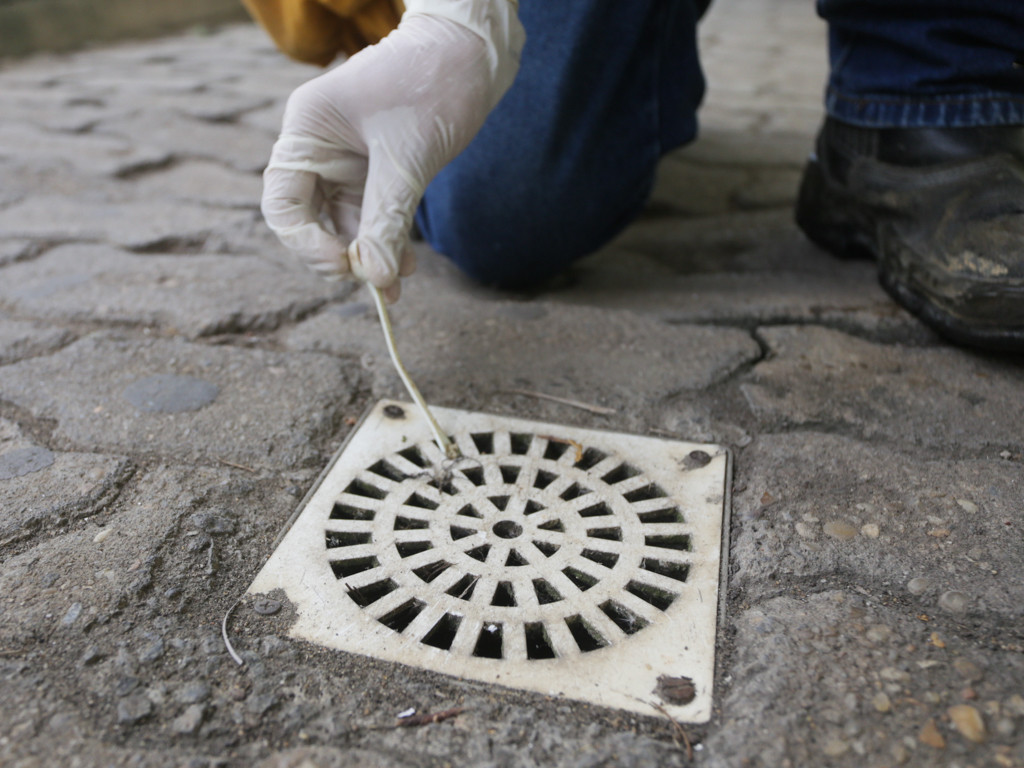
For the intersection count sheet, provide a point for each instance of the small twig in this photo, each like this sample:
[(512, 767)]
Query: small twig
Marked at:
[(426, 718), (237, 466), (598, 409), (224, 634), (209, 560), (566, 441), (677, 727)]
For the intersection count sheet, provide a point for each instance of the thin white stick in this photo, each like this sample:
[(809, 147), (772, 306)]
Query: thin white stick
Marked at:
[(447, 447)]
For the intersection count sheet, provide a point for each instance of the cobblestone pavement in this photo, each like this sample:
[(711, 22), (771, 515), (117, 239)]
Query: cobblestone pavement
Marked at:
[(171, 384)]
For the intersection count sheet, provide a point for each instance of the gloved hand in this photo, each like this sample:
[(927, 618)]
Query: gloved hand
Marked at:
[(360, 143)]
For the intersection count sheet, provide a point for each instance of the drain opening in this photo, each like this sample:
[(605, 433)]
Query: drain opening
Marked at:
[(402, 616), (538, 646), (371, 593), (489, 642), (587, 638), (345, 568), (442, 634)]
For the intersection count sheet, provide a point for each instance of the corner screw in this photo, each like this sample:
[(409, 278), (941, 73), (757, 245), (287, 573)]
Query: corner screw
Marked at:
[(394, 412)]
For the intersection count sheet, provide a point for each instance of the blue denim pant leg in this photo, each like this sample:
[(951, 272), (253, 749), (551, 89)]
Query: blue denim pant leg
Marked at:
[(925, 63), (568, 157)]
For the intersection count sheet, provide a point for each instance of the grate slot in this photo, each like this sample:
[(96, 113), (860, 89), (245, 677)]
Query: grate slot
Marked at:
[(420, 502), (582, 580), (609, 534), (362, 488), (607, 559), (484, 442), (538, 645), (480, 553), (519, 443), (668, 568), (546, 548), (489, 642), (659, 598), (464, 587), (442, 634), (475, 475), (414, 455), (679, 542), (591, 458), (622, 472), (385, 470), (347, 512), (645, 492), (555, 450), (574, 491), (595, 510), (370, 593), (402, 616), (469, 511), (501, 502), (431, 571), (668, 515), (336, 539), (552, 525), (460, 533), (504, 595), (403, 523), (545, 592), (510, 474), (410, 548), (587, 638), (532, 507), (624, 619), (515, 560), (344, 568), (543, 479)]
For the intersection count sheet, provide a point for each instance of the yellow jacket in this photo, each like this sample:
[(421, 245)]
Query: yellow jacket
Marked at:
[(316, 31)]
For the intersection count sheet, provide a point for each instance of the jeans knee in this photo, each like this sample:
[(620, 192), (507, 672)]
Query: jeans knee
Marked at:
[(517, 239)]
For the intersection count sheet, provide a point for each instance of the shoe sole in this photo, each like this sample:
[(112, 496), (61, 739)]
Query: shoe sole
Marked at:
[(833, 219)]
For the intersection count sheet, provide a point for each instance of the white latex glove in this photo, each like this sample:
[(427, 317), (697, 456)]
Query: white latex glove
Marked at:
[(360, 143)]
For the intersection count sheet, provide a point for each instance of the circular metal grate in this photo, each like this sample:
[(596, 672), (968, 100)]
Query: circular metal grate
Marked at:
[(531, 548)]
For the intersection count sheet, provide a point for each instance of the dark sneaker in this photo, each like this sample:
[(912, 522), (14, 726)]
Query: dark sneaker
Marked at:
[(941, 210)]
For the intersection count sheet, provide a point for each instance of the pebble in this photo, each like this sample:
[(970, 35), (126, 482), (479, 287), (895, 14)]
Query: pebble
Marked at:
[(193, 693), (91, 656), (881, 703), (835, 748), (1005, 727), (879, 633), (899, 753), (152, 652), (870, 530), (102, 536), (968, 721), (918, 585), (968, 669), (954, 601), (804, 531), (72, 614), (967, 506), (1015, 704), (189, 721), (134, 708), (839, 529), (894, 675), (126, 685), (930, 735)]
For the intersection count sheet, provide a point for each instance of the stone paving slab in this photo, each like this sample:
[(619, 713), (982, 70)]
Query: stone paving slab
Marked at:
[(20, 338), (219, 402), (150, 225), (942, 538), (942, 398), (192, 295), (845, 679)]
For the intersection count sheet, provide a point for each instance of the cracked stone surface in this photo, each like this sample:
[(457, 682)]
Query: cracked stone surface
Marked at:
[(172, 383), (196, 295)]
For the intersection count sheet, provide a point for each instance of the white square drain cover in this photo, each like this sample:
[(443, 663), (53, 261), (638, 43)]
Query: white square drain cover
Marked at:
[(566, 561)]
